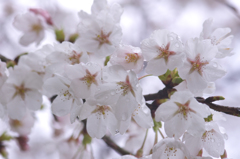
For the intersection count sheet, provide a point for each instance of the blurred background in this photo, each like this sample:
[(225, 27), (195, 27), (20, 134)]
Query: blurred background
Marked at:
[(140, 18)]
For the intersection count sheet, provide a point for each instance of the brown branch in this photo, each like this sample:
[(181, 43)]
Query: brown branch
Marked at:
[(225, 109), (114, 146), (162, 94)]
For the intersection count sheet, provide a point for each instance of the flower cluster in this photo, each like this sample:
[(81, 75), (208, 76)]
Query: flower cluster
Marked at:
[(95, 79)]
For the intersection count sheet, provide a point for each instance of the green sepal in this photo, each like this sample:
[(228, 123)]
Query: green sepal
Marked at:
[(209, 118), (5, 137), (171, 78), (11, 64), (106, 60), (157, 125), (4, 153), (60, 36), (73, 37), (86, 139)]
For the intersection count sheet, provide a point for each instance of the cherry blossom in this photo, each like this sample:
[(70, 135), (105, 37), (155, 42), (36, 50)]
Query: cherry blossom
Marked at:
[(211, 140), (182, 112), (171, 149), (100, 35), (67, 52), (100, 117), (220, 37), (129, 57), (65, 100), (163, 51), (32, 26), (21, 91), (85, 78), (199, 68), (121, 90)]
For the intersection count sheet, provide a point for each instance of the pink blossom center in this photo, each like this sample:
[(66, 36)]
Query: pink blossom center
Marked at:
[(75, 57), (197, 65), (103, 38), (184, 109), (126, 87), (165, 53), (89, 78), (20, 90)]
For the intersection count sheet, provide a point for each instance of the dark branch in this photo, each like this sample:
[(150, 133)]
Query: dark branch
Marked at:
[(225, 109), (162, 94), (114, 146)]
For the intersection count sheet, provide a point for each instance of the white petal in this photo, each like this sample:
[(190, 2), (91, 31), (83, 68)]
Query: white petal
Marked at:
[(212, 72), (176, 126), (166, 111), (156, 67), (16, 108), (125, 106), (143, 117), (214, 144), (33, 100), (96, 125), (60, 106)]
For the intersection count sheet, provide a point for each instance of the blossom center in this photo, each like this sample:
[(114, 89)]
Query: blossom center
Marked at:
[(126, 87), (165, 53), (20, 90), (37, 28), (197, 65), (103, 38), (89, 78), (131, 57), (75, 57), (184, 109)]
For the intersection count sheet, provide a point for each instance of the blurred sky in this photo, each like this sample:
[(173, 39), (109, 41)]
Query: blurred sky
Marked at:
[(140, 18)]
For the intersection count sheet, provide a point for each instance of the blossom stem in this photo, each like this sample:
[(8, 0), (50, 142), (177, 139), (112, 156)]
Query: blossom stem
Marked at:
[(144, 76), (161, 133), (156, 138), (140, 151)]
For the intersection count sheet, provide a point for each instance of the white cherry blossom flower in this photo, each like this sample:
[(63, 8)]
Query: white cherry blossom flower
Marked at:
[(21, 91), (120, 90), (163, 51), (67, 52), (199, 68), (101, 5), (219, 37), (170, 148), (65, 100), (85, 78), (32, 26), (100, 117), (212, 140), (182, 112), (129, 57), (99, 35)]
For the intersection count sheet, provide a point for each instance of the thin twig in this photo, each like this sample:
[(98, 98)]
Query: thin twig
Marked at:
[(114, 146), (162, 94)]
